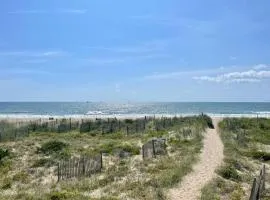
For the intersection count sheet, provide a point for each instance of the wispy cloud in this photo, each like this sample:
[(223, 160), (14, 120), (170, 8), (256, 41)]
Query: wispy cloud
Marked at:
[(157, 45), (219, 74), (179, 74), (261, 66), (35, 61), (104, 61), (28, 12), (33, 54), (73, 11), (170, 75), (60, 11), (221, 24), (243, 76), (134, 49), (233, 58), (23, 71), (190, 24), (122, 59), (117, 88)]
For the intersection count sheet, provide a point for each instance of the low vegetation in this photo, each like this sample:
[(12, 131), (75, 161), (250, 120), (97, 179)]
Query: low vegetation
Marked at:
[(246, 148), (28, 168)]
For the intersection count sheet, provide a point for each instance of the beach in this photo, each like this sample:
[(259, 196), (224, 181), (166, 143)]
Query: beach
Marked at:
[(198, 155)]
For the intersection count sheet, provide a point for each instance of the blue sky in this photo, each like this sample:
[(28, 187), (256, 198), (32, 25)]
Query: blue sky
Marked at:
[(174, 50)]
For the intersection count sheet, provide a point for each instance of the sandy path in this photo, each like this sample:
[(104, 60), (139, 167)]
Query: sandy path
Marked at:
[(210, 158)]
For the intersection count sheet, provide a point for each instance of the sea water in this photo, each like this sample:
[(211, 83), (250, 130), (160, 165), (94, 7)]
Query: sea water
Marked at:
[(102, 109)]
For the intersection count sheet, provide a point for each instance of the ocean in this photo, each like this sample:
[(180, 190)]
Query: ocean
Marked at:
[(99, 109)]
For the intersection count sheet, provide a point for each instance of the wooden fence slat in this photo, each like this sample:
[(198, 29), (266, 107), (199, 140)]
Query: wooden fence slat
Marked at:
[(258, 186), (154, 151), (69, 168), (78, 167), (58, 172), (73, 167)]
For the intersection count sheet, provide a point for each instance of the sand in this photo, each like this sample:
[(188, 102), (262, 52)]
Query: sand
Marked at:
[(210, 158)]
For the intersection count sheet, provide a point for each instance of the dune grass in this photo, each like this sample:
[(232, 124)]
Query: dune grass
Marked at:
[(28, 171), (246, 148)]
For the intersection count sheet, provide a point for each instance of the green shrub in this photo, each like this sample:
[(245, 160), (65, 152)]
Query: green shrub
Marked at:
[(41, 162), (128, 121), (210, 192), (59, 195), (108, 147), (52, 147), (229, 172), (3, 153), (7, 183), (260, 155), (208, 121), (134, 150), (238, 193), (21, 177)]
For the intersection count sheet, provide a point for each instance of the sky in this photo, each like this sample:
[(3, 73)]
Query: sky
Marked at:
[(119, 50)]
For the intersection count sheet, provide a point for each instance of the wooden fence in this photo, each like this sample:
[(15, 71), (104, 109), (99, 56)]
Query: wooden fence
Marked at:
[(12, 134), (154, 147), (79, 167), (20, 129), (258, 186)]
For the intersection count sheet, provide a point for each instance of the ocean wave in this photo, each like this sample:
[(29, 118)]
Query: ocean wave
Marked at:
[(95, 113), (262, 112), (122, 116)]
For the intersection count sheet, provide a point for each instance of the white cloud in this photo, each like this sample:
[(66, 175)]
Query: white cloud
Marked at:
[(60, 11), (158, 76), (104, 61), (35, 61), (23, 71), (260, 66), (201, 26), (51, 53), (28, 12), (146, 47), (122, 59), (223, 74), (117, 88), (179, 74), (72, 11), (33, 54), (13, 53), (244, 76)]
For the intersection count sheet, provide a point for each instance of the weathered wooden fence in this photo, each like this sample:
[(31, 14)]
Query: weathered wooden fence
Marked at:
[(10, 133), (79, 167), (154, 147), (19, 129), (258, 186)]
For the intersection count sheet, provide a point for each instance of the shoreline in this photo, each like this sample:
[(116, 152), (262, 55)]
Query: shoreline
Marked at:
[(21, 117)]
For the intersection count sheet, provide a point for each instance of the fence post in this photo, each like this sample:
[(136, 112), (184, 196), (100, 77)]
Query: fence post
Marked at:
[(58, 172), (83, 167), (253, 194), (143, 151), (69, 124), (111, 127), (154, 151), (101, 161), (69, 170), (263, 183), (73, 167)]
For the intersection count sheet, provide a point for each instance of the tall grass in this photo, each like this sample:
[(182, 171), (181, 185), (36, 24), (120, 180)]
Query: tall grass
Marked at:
[(243, 139)]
